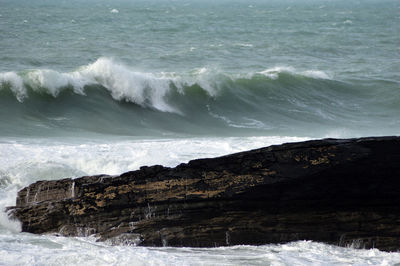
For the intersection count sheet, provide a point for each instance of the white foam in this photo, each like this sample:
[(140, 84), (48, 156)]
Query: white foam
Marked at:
[(201, 71), (123, 82), (50, 250), (142, 88), (273, 73), (145, 89), (7, 198), (244, 44), (205, 78), (54, 81), (114, 11), (24, 162), (16, 84), (317, 74)]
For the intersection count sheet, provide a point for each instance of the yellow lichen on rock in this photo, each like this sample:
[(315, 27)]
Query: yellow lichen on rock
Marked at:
[(76, 209), (110, 195), (125, 188), (100, 203), (90, 194), (320, 160)]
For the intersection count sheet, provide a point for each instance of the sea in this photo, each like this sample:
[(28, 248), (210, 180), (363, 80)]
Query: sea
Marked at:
[(106, 86)]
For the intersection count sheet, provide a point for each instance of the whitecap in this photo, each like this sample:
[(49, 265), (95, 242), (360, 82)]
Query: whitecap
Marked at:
[(53, 82), (123, 83), (114, 11), (145, 89), (273, 73), (205, 78), (317, 74), (244, 44), (142, 88), (200, 71), (16, 84)]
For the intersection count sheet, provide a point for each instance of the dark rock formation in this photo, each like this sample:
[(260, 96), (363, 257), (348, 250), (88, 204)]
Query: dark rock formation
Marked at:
[(344, 192)]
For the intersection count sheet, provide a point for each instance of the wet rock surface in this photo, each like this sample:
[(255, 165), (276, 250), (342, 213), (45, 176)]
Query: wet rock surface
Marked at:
[(343, 192)]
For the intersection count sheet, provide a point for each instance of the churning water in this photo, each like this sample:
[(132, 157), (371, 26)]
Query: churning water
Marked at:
[(103, 87)]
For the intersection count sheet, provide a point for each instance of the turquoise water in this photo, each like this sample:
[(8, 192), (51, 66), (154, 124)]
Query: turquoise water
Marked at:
[(104, 87), (200, 68)]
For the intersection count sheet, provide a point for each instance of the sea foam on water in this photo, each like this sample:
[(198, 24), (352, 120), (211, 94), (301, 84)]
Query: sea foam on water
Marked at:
[(125, 84), (104, 88), (90, 157)]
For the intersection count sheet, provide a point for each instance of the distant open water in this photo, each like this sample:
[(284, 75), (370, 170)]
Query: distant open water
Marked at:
[(96, 86)]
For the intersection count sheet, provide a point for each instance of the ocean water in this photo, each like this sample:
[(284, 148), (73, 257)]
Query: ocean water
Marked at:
[(104, 87)]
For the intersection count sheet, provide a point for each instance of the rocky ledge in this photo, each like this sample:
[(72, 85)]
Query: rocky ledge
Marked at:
[(344, 192)]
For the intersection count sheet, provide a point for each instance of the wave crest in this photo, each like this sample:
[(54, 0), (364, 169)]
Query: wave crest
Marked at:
[(15, 83), (145, 89), (273, 73), (142, 88), (52, 82)]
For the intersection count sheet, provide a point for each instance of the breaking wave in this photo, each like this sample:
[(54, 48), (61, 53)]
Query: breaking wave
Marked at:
[(279, 100), (125, 84)]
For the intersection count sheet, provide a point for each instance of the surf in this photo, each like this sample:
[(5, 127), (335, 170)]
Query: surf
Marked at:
[(110, 97)]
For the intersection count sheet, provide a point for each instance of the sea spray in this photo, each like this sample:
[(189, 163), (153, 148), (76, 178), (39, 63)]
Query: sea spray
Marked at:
[(279, 100), (125, 84), (87, 90)]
